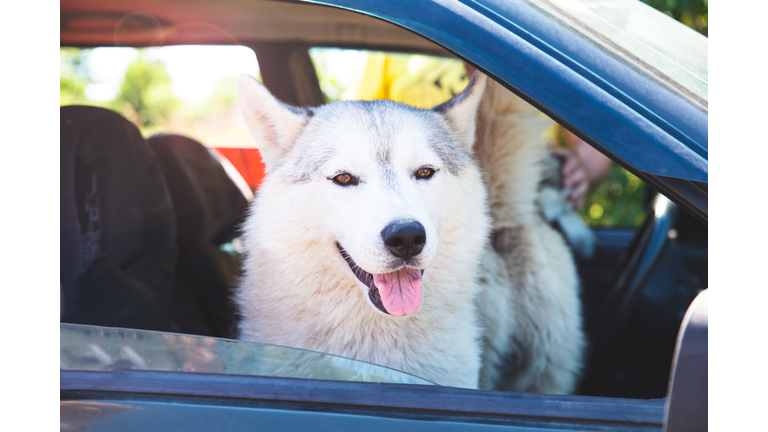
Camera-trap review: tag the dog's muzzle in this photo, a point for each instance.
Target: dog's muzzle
(397, 293)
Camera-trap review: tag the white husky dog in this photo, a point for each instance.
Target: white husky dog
(366, 236)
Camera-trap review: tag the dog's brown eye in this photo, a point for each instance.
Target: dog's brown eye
(424, 173)
(344, 179)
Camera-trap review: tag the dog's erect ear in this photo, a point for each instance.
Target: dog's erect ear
(274, 125)
(461, 110)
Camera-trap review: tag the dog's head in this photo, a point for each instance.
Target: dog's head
(380, 178)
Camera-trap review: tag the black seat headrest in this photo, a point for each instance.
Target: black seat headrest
(117, 224)
(209, 206)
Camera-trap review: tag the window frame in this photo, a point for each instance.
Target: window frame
(367, 399)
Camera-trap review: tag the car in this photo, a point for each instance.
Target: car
(602, 70)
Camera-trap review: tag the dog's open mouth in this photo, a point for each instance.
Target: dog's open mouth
(397, 293)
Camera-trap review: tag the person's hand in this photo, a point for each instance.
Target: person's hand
(583, 168)
(575, 176)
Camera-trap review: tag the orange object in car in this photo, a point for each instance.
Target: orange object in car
(248, 163)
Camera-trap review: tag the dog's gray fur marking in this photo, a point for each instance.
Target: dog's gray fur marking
(457, 100)
(307, 159)
(450, 152)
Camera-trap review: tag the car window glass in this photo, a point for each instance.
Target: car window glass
(111, 349)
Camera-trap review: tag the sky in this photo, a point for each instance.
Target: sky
(194, 70)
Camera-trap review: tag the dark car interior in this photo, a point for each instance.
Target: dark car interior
(147, 225)
(144, 228)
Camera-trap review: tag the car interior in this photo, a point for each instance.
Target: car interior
(150, 225)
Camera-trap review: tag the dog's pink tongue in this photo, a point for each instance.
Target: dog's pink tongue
(400, 291)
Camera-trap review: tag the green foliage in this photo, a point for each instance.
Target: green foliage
(73, 76)
(224, 93)
(693, 13)
(222, 98)
(618, 201)
(146, 98)
(331, 83)
(147, 91)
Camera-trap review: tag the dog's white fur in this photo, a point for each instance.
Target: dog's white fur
(297, 290)
(533, 340)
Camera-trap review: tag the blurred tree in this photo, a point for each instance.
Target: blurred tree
(222, 99)
(224, 93)
(617, 201)
(337, 83)
(693, 13)
(329, 81)
(73, 76)
(147, 91)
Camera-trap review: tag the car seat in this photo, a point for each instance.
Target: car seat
(117, 228)
(209, 208)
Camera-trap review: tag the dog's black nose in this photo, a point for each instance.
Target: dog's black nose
(404, 239)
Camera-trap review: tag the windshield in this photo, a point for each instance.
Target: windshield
(109, 349)
(641, 36)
